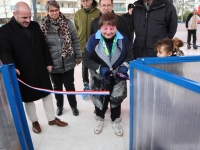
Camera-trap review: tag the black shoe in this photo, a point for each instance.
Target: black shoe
(75, 111)
(188, 46)
(194, 46)
(59, 111)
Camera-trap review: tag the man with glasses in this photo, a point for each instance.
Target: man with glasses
(106, 6)
(82, 21)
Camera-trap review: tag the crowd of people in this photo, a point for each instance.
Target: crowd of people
(46, 54)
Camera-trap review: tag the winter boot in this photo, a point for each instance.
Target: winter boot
(99, 125)
(194, 46)
(188, 46)
(117, 126)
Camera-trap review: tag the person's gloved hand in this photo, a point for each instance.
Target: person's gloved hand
(122, 74)
(105, 72)
(78, 61)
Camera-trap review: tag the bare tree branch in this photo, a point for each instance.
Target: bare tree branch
(5, 5)
(182, 6)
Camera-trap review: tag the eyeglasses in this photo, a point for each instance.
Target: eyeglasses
(108, 6)
(53, 10)
(106, 28)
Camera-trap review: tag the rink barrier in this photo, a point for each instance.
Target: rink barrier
(165, 103)
(14, 131)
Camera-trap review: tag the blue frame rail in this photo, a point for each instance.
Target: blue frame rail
(16, 106)
(142, 65)
(158, 60)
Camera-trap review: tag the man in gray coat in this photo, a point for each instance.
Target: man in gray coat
(22, 43)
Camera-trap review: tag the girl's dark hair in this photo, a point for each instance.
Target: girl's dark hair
(171, 45)
(52, 3)
(108, 18)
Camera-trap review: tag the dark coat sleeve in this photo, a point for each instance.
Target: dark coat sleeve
(188, 19)
(6, 55)
(129, 54)
(94, 26)
(171, 18)
(123, 27)
(88, 56)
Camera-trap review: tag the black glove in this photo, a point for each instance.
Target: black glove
(122, 74)
(105, 72)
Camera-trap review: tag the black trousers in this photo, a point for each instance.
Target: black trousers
(115, 112)
(84, 72)
(194, 36)
(66, 78)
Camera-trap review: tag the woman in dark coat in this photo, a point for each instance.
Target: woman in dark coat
(22, 43)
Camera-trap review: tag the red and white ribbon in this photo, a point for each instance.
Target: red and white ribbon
(88, 92)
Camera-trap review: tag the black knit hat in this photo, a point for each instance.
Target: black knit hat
(130, 6)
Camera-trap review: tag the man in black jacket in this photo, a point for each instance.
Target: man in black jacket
(129, 20)
(106, 6)
(152, 20)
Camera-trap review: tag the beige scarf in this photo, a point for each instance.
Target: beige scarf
(194, 22)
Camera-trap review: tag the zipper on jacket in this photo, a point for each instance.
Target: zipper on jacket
(145, 20)
(146, 26)
(60, 39)
(86, 29)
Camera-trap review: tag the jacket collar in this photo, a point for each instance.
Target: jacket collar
(100, 14)
(154, 3)
(98, 35)
(93, 8)
(17, 27)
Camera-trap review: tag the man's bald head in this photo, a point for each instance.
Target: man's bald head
(22, 14)
(20, 6)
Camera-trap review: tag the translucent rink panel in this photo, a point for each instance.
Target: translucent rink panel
(8, 136)
(189, 70)
(166, 116)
